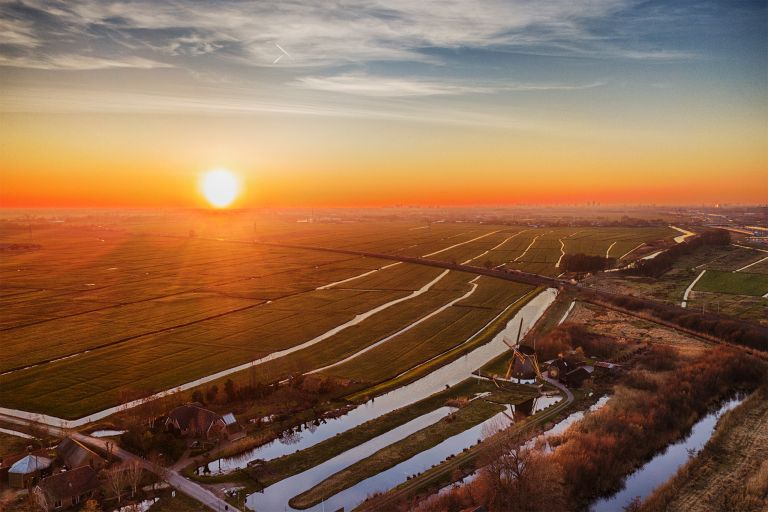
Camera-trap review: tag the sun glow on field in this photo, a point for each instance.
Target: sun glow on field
(220, 187)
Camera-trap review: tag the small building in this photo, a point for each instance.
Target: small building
(575, 378)
(558, 368)
(606, 367)
(28, 470)
(67, 489)
(192, 420)
(74, 454)
(234, 430)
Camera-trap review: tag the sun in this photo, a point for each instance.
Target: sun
(220, 187)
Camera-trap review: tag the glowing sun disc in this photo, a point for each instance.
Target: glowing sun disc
(220, 187)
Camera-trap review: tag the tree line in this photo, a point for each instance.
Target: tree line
(658, 265)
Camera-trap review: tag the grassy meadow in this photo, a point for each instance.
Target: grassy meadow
(115, 306)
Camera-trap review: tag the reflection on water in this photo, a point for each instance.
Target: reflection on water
(450, 374)
(277, 495)
(662, 467)
(107, 433)
(557, 429)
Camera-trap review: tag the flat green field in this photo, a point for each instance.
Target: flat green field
(134, 305)
(539, 249)
(736, 283)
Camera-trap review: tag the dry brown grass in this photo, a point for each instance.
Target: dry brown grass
(731, 473)
(625, 328)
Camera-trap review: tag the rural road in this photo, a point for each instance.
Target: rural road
(191, 489)
(188, 487)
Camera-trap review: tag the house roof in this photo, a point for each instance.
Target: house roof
(75, 454)
(30, 464)
(229, 419)
(581, 370)
(69, 483)
(193, 417)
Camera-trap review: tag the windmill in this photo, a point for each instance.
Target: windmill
(524, 365)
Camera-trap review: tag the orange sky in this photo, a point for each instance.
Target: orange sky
(153, 161)
(455, 103)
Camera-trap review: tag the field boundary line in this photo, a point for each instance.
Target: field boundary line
(631, 250)
(401, 331)
(752, 264)
(54, 421)
(690, 289)
(685, 234)
(529, 246)
(459, 244)
(470, 260)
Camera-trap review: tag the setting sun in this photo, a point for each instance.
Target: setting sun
(220, 187)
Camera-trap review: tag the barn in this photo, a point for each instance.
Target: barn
(74, 455)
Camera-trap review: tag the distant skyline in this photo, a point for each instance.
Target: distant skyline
(377, 103)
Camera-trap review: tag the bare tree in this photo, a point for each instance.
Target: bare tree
(160, 470)
(39, 500)
(518, 477)
(116, 480)
(133, 473)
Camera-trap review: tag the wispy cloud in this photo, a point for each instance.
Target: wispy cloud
(73, 62)
(317, 34)
(367, 51)
(377, 86)
(366, 85)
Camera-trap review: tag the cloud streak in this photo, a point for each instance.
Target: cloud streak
(377, 86)
(331, 33)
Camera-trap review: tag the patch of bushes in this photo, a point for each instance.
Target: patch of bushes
(568, 336)
(597, 453)
(585, 263)
(657, 266)
(727, 329)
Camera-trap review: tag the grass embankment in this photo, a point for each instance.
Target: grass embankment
(484, 336)
(730, 473)
(283, 467)
(474, 413)
(12, 445)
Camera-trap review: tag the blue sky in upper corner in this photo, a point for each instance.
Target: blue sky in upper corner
(200, 53)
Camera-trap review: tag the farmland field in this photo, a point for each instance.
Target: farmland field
(129, 306)
(719, 261)
(735, 283)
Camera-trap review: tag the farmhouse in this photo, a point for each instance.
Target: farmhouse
(192, 420)
(67, 489)
(28, 470)
(74, 455)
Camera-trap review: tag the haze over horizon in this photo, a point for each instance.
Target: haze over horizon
(126, 104)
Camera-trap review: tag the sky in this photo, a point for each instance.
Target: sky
(376, 103)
